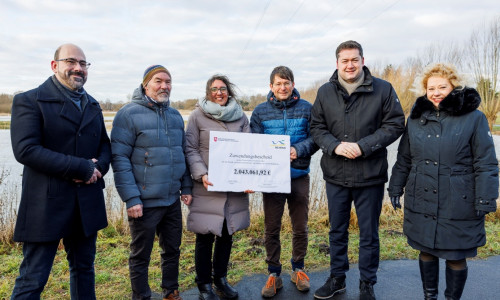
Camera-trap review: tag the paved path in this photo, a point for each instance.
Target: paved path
(397, 279)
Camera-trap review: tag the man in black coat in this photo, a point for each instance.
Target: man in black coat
(58, 134)
(354, 118)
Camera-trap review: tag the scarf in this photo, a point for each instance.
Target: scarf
(351, 87)
(232, 111)
(78, 97)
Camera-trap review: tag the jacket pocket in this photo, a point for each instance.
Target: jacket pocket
(375, 167)
(147, 165)
(410, 191)
(461, 198)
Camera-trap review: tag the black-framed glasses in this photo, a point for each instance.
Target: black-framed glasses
(72, 62)
(222, 89)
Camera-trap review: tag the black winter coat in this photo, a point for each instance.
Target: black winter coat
(371, 116)
(54, 141)
(447, 166)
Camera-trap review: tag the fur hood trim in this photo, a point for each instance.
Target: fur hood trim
(457, 103)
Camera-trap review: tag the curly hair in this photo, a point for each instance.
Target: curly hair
(230, 86)
(443, 70)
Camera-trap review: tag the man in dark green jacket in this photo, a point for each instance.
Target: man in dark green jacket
(354, 118)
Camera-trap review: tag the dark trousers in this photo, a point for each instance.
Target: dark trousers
(298, 209)
(203, 255)
(166, 222)
(368, 204)
(37, 263)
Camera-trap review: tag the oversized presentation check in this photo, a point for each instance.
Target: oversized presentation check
(245, 161)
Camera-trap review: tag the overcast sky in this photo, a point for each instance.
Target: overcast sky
(244, 39)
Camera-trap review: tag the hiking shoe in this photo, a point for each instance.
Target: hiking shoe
(173, 296)
(301, 280)
(273, 285)
(333, 286)
(366, 290)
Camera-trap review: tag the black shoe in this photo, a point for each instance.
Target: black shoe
(366, 290)
(206, 292)
(333, 286)
(224, 289)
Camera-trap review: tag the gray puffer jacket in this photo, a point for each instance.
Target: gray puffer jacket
(209, 209)
(147, 143)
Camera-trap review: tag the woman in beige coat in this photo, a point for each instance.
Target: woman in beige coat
(214, 215)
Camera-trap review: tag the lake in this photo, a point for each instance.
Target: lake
(11, 185)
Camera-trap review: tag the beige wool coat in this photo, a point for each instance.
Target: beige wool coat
(209, 209)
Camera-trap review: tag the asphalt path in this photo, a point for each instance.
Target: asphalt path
(397, 279)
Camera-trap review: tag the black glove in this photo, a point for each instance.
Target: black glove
(395, 202)
(481, 213)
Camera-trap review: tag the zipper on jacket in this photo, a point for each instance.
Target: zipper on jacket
(284, 118)
(164, 118)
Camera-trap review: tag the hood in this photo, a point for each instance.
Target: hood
(294, 98)
(458, 102)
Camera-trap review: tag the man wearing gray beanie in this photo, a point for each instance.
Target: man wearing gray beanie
(151, 176)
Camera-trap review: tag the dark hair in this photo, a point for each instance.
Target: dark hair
(230, 86)
(349, 45)
(282, 72)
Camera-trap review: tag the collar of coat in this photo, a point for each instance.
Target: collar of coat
(366, 86)
(294, 98)
(458, 102)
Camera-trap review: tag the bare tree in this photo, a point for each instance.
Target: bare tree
(442, 52)
(402, 78)
(483, 62)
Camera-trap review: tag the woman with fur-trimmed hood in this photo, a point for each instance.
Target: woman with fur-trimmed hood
(448, 169)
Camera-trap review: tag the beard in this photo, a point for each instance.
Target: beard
(74, 79)
(163, 95)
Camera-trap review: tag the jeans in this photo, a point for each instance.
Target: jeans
(298, 209)
(368, 204)
(166, 222)
(37, 263)
(203, 255)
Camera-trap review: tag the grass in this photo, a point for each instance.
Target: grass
(247, 257)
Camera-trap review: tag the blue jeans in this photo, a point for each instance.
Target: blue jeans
(368, 204)
(166, 222)
(37, 263)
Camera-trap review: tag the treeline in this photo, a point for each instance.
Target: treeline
(250, 102)
(5, 103)
(247, 102)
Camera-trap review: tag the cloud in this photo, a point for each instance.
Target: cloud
(194, 39)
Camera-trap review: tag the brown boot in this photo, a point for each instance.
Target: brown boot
(173, 296)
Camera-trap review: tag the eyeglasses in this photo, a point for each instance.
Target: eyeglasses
(286, 84)
(222, 89)
(72, 62)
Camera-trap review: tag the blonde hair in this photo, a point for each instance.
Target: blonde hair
(443, 70)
